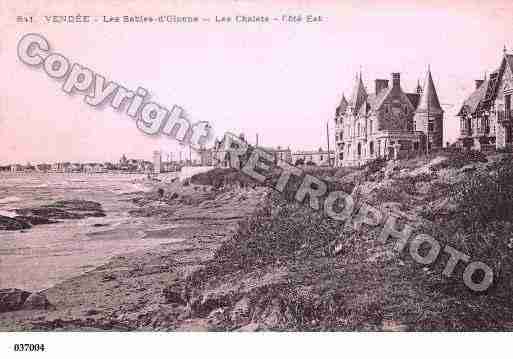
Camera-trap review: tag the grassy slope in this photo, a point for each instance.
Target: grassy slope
(290, 268)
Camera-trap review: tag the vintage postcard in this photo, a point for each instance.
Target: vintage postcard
(254, 166)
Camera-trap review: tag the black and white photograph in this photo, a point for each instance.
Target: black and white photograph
(256, 178)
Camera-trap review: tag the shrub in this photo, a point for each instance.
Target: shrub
(423, 177)
(220, 177)
(481, 227)
(486, 197)
(375, 165)
(506, 149)
(457, 159)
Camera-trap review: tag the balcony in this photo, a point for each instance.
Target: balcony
(505, 116)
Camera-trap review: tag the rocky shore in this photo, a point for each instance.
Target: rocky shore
(48, 214)
(131, 292)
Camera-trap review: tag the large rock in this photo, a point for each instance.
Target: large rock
(37, 301)
(12, 299)
(74, 209)
(12, 224)
(77, 205)
(53, 213)
(34, 220)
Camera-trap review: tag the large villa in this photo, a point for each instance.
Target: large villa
(486, 116)
(387, 122)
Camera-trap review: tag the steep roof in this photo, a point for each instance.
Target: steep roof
(414, 99)
(429, 98)
(483, 97)
(379, 98)
(471, 104)
(359, 94)
(494, 82)
(343, 105)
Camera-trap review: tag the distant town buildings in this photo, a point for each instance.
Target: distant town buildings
(387, 122)
(486, 116)
(124, 165)
(17, 168)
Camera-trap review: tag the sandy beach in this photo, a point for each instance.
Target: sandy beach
(110, 272)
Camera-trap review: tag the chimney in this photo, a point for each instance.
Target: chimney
(479, 83)
(380, 85)
(396, 79)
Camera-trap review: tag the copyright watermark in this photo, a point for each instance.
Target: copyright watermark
(150, 117)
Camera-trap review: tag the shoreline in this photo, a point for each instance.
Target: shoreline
(128, 287)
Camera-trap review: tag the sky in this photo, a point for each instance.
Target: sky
(281, 81)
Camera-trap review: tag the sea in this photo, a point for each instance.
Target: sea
(40, 257)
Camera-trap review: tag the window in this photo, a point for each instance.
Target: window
(431, 125)
(358, 129)
(371, 148)
(507, 104)
(370, 126)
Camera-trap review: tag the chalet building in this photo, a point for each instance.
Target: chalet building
(486, 116)
(387, 122)
(319, 158)
(221, 158)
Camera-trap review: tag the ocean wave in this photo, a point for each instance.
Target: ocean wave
(10, 214)
(133, 187)
(9, 199)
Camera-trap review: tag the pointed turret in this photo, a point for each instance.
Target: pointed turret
(359, 94)
(343, 105)
(429, 99)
